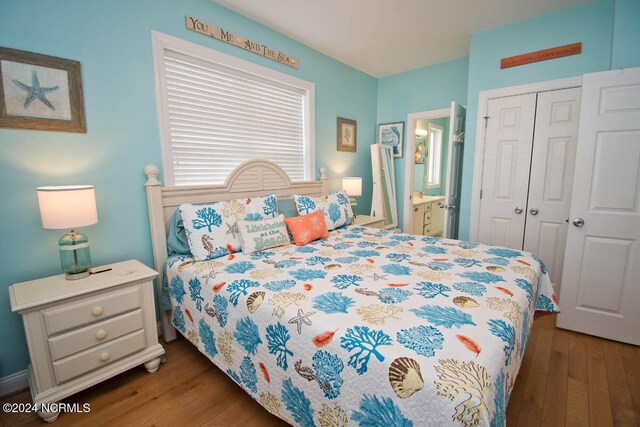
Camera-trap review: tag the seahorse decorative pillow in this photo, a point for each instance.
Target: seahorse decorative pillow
(261, 235)
(212, 228)
(335, 208)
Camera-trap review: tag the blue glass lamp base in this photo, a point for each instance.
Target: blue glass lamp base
(75, 257)
(77, 276)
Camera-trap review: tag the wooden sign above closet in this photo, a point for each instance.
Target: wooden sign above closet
(227, 36)
(541, 55)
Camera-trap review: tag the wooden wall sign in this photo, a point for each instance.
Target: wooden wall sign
(227, 36)
(541, 55)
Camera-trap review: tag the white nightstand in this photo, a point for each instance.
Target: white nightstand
(82, 332)
(369, 221)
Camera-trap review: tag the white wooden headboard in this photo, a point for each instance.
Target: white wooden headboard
(250, 179)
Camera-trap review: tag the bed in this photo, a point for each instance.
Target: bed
(367, 327)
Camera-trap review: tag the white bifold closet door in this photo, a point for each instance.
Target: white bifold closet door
(601, 281)
(551, 177)
(528, 172)
(505, 175)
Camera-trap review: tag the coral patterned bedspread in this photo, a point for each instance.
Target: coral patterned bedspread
(367, 327)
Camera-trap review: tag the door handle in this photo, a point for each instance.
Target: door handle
(452, 207)
(578, 222)
(518, 210)
(533, 211)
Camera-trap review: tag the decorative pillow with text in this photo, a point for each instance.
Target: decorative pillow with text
(264, 234)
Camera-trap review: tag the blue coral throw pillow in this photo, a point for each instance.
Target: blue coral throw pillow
(212, 228)
(335, 208)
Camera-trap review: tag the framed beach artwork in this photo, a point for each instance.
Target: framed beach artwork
(392, 134)
(347, 135)
(40, 92)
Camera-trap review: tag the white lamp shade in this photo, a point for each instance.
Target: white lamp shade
(352, 185)
(67, 207)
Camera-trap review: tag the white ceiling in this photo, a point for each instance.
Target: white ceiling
(384, 37)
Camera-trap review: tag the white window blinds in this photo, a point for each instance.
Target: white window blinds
(435, 156)
(217, 116)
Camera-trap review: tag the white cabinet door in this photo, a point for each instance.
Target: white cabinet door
(437, 218)
(552, 167)
(601, 279)
(505, 177)
(451, 200)
(417, 219)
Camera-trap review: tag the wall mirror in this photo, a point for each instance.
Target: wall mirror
(383, 202)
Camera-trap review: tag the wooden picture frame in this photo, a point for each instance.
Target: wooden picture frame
(392, 134)
(40, 92)
(347, 135)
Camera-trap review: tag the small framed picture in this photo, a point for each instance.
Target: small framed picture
(392, 134)
(347, 135)
(40, 92)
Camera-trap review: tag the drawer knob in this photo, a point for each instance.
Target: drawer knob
(101, 334)
(104, 356)
(97, 310)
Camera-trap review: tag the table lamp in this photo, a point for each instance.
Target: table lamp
(352, 185)
(70, 207)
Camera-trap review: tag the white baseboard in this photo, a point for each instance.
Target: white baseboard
(14, 382)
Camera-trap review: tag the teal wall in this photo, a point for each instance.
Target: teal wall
(112, 40)
(626, 34)
(424, 89)
(590, 24)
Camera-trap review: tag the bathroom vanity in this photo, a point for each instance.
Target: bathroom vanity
(428, 215)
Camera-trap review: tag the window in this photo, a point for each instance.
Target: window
(435, 156)
(217, 111)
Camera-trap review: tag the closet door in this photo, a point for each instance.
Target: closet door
(601, 279)
(552, 167)
(505, 176)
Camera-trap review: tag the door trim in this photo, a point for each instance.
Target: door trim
(410, 147)
(478, 157)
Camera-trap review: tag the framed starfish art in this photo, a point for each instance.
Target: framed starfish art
(40, 92)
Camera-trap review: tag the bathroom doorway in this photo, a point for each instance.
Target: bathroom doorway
(433, 171)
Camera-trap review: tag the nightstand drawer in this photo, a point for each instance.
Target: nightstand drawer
(91, 309)
(97, 357)
(95, 334)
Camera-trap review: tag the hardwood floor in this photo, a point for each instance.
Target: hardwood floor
(566, 378)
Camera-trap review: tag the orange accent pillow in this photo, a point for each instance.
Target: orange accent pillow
(307, 228)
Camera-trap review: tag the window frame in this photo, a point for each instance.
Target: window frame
(432, 163)
(162, 42)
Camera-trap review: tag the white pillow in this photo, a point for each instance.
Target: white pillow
(212, 228)
(335, 208)
(261, 235)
